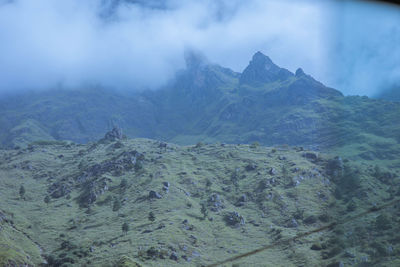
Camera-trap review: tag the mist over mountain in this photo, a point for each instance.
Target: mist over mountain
(133, 45)
(209, 103)
(141, 133)
(116, 201)
(390, 94)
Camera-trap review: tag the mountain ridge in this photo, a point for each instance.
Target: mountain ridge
(209, 103)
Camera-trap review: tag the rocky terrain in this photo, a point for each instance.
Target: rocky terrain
(142, 202)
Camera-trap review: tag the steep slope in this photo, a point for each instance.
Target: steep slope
(193, 205)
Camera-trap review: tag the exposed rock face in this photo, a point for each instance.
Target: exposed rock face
(59, 189)
(114, 134)
(91, 191)
(126, 161)
(262, 70)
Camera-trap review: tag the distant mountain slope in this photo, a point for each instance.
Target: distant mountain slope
(392, 94)
(209, 103)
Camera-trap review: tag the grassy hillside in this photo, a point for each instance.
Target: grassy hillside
(141, 202)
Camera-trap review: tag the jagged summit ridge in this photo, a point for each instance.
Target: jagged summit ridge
(262, 70)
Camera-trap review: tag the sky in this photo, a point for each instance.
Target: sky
(132, 45)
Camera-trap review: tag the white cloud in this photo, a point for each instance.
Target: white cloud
(45, 42)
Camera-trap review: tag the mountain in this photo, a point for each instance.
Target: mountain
(222, 163)
(208, 103)
(142, 202)
(392, 94)
(262, 70)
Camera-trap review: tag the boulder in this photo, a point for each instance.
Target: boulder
(154, 195)
(114, 134)
(173, 256)
(234, 219)
(310, 156)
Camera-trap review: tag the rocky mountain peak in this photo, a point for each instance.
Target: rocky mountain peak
(262, 61)
(299, 72)
(262, 69)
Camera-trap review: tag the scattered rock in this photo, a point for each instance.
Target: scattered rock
(316, 246)
(310, 156)
(295, 181)
(59, 189)
(336, 264)
(293, 223)
(193, 239)
(215, 202)
(2, 217)
(166, 186)
(187, 226)
(163, 145)
(174, 256)
(186, 258)
(126, 161)
(310, 219)
(125, 261)
(154, 194)
(241, 201)
(117, 145)
(251, 167)
(234, 219)
(91, 191)
(349, 254)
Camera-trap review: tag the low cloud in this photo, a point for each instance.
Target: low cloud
(140, 44)
(364, 47)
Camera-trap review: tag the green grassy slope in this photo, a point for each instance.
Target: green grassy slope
(251, 196)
